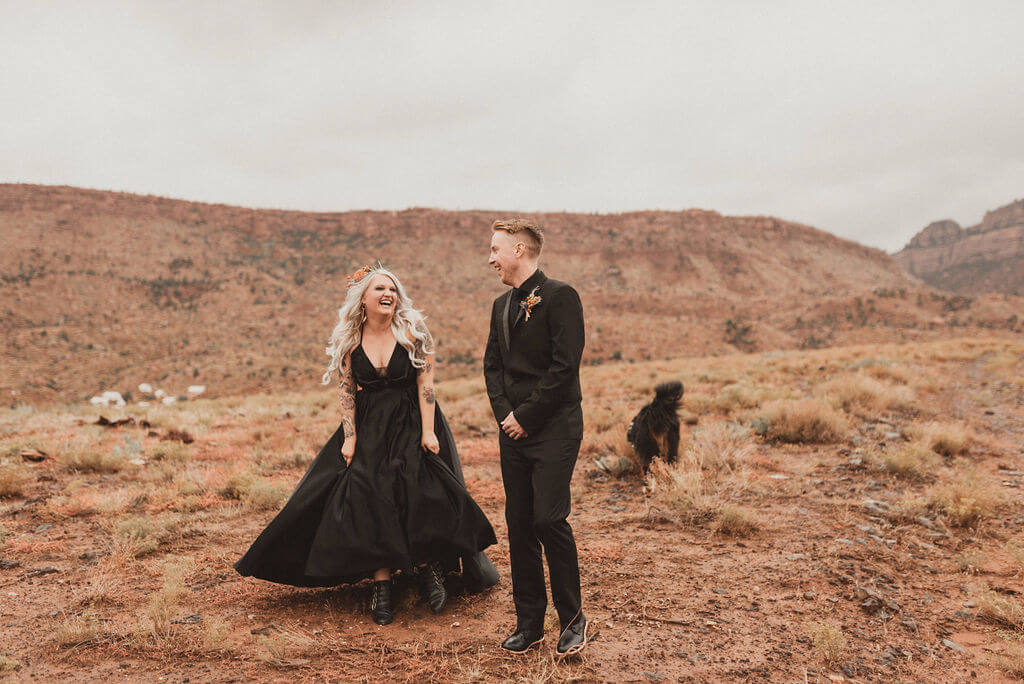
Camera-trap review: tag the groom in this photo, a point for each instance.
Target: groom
(532, 368)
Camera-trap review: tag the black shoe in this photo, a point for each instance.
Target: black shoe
(432, 587)
(522, 641)
(574, 637)
(380, 604)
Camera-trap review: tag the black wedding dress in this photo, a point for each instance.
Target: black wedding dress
(397, 505)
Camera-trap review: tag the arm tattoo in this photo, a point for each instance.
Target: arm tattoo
(429, 366)
(428, 395)
(348, 404)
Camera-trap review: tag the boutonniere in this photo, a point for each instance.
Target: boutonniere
(532, 300)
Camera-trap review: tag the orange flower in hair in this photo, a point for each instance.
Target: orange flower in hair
(358, 275)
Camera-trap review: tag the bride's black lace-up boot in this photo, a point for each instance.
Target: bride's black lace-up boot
(380, 604)
(432, 587)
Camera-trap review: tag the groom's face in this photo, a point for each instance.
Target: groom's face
(505, 253)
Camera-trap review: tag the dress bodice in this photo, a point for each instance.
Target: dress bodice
(399, 372)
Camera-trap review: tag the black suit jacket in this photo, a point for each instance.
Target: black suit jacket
(532, 367)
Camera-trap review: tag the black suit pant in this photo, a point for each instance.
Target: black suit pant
(537, 502)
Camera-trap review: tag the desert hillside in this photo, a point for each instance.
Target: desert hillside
(988, 257)
(104, 290)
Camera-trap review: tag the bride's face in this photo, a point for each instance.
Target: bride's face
(381, 295)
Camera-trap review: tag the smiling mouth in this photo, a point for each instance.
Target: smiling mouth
(386, 302)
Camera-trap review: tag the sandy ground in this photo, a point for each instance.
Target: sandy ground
(667, 600)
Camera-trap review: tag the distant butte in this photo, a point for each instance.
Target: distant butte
(988, 257)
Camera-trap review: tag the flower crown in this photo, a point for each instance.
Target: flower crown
(361, 273)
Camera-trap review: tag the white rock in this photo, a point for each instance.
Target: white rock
(159, 394)
(169, 400)
(113, 398)
(196, 389)
(143, 403)
(146, 388)
(99, 401)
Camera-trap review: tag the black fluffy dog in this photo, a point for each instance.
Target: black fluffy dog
(655, 429)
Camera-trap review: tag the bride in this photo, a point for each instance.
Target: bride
(386, 492)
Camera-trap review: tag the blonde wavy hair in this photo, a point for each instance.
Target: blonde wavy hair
(407, 325)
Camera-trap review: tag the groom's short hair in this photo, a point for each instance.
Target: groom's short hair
(528, 232)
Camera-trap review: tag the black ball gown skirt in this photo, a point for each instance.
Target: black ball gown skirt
(397, 505)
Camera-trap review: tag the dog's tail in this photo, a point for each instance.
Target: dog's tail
(669, 394)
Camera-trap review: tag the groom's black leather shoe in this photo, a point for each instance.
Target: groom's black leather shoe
(432, 587)
(522, 641)
(380, 604)
(574, 637)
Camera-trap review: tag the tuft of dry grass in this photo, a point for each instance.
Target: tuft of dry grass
(1014, 547)
(803, 421)
(1012, 660)
(713, 468)
(285, 648)
(13, 479)
(738, 396)
(78, 630)
(252, 490)
(999, 610)
(163, 605)
(8, 664)
(828, 640)
(737, 521)
(138, 536)
(970, 561)
(910, 460)
(215, 635)
(945, 439)
(94, 460)
(864, 394)
(172, 452)
(966, 499)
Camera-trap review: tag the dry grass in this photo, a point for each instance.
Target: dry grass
(737, 521)
(828, 640)
(970, 561)
(861, 393)
(1002, 611)
(78, 630)
(138, 536)
(945, 439)
(713, 468)
(738, 396)
(1014, 547)
(172, 452)
(8, 664)
(215, 635)
(286, 648)
(911, 460)
(94, 460)
(1012, 660)
(255, 492)
(966, 499)
(13, 479)
(803, 421)
(163, 605)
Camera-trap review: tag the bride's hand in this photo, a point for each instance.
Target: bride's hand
(348, 449)
(429, 442)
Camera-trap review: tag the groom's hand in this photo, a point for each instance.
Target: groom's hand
(512, 428)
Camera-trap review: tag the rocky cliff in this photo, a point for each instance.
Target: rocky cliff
(988, 257)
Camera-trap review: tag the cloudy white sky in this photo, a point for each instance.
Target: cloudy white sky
(867, 119)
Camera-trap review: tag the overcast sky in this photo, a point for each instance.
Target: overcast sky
(866, 119)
